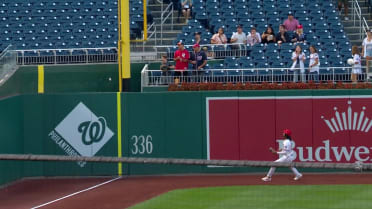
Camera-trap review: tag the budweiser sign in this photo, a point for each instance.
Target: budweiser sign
(325, 129)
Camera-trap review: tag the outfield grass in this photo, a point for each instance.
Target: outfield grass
(265, 197)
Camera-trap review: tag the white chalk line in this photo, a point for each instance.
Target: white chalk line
(76, 193)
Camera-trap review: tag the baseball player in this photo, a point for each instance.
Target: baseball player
(288, 155)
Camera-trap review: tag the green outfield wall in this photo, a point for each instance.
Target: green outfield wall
(70, 78)
(75, 79)
(11, 137)
(167, 125)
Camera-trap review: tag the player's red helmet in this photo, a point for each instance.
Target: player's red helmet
(287, 132)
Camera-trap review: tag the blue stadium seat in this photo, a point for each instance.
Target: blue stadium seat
(244, 60)
(230, 61)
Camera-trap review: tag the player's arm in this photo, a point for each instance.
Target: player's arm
(272, 150)
(281, 151)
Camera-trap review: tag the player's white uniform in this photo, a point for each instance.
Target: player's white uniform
(288, 155)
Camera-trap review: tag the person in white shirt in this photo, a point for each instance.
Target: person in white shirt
(239, 36)
(253, 37)
(287, 155)
(367, 49)
(298, 58)
(314, 64)
(357, 67)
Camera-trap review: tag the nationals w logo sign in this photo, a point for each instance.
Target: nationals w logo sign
(81, 132)
(92, 131)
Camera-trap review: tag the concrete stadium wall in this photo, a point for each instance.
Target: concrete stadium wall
(206, 125)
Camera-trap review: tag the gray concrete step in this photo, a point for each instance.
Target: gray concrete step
(352, 29)
(350, 23)
(181, 19)
(366, 15)
(356, 42)
(353, 36)
(164, 41)
(158, 13)
(157, 7)
(168, 34)
(176, 26)
(364, 9)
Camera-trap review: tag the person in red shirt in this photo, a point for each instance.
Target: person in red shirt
(181, 57)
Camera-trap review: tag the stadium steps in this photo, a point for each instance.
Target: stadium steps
(353, 31)
(169, 35)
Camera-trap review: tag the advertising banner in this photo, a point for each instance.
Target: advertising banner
(324, 129)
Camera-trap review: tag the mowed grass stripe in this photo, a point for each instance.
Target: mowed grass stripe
(265, 197)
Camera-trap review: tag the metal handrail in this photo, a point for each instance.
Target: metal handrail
(144, 77)
(153, 33)
(365, 26)
(357, 13)
(167, 12)
(5, 51)
(8, 64)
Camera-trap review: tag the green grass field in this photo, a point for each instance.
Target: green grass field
(265, 197)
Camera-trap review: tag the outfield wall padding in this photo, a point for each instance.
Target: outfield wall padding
(238, 125)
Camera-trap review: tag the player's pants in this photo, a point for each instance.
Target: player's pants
(284, 158)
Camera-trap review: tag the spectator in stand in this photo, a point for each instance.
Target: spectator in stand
(298, 58)
(198, 59)
(357, 66)
(197, 37)
(268, 36)
(314, 64)
(239, 36)
(253, 37)
(299, 36)
(181, 57)
(186, 8)
(367, 49)
(165, 68)
(219, 37)
(344, 3)
(282, 36)
(291, 23)
(208, 53)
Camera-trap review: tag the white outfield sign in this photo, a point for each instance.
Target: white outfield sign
(81, 132)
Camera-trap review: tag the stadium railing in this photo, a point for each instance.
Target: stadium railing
(140, 52)
(151, 78)
(8, 64)
(66, 56)
(213, 51)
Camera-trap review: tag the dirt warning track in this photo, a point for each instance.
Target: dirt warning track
(109, 193)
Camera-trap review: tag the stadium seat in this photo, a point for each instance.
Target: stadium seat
(48, 17)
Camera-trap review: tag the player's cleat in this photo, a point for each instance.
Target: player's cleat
(297, 177)
(266, 178)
